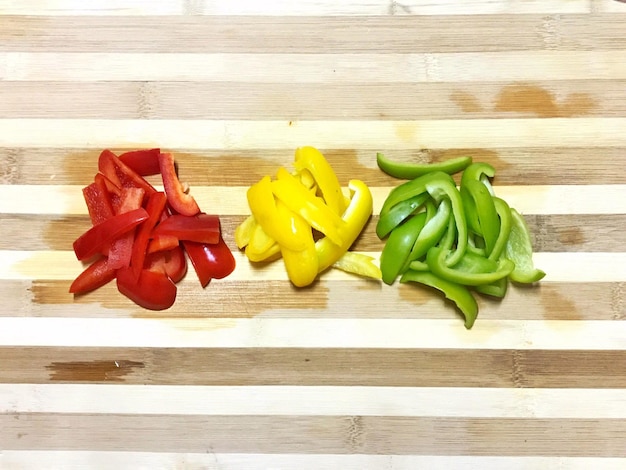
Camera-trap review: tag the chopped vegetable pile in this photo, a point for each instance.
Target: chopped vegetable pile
(291, 210)
(454, 240)
(139, 236)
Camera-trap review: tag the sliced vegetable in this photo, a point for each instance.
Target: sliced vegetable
(182, 202)
(464, 239)
(201, 228)
(519, 250)
(210, 261)
(152, 289)
(291, 211)
(97, 237)
(460, 295)
(414, 170)
(137, 238)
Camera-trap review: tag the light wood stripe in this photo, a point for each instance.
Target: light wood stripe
(31, 460)
(284, 7)
(560, 267)
(316, 434)
(314, 68)
(222, 134)
(311, 401)
(311, 333)
(313, 101)
(337, 34)
(231, 200)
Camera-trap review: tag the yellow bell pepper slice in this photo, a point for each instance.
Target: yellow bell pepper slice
(299, 200)
(311, 159)
(301, 265)
(261, 246)
(243, 232)
(263, 207)
(358, 263)
(355, 217)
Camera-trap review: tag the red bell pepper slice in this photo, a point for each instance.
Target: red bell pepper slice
(96, 275)
(121, 174)
(122, 247)
(162, 243)
(181, 202)
(210, 261)
(171, 262)
(152, 289)
(99, 236)
(154, 208)
(202, 228)
(98, 203)
(144, 162)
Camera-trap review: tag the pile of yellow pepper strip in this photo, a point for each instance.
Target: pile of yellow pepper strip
(288, 210)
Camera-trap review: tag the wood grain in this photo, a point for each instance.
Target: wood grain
(252, 373)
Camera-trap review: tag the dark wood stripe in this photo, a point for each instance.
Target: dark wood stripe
(314, 366)
(514, 166)
(316, 434)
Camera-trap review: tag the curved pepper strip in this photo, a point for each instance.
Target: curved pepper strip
(355, 217)
(395, 255)
(263, 207)
(399, 213)
(438, 185)
(504, 213)
(414, 170)
(460, 295)
(311, 159)
(436, 259)
(299, 200)
(480, 211)
(519, 251)
(301, 265)
(432, 232)
(495, 289)
(261, 246)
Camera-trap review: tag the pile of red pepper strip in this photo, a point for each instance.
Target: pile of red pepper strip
(139, 236)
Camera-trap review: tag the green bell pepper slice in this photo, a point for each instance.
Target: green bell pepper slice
(413, 170)
(398, 213)
(394, 258)
(436, 259)
(433, 230)
(504, 214)
(479, 206)
(460, 295)
(519, 250)
(496, 289)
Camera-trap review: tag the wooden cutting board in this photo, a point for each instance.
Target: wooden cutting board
(251, 373)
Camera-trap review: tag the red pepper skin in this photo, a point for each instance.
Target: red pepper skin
(122, 247)
(144, 162)
(152, 289)
(154, 209)
(171, 262)
(162, 243)
(97, 237)
(210, 261)
(121, 174)
(202, 228)
(94, 276)
(98, 203)
(181, 202)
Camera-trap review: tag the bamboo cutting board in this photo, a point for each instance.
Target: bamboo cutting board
(348, 374)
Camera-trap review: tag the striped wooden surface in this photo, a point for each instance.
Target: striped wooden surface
(348, 374)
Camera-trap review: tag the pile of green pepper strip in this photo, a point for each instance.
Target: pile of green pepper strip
(455, 240)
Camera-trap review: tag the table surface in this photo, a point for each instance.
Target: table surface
(251, 373)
